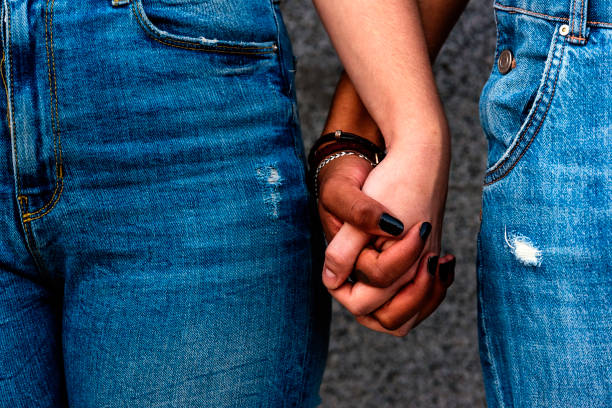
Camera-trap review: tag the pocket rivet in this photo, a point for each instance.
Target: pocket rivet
(564, 30)
(505, 62)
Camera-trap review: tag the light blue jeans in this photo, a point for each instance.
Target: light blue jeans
(545, 251)
(155, 228)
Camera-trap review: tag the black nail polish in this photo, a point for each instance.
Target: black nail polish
(425, 230)
(390, 224)
(432, 265)
(446, 270)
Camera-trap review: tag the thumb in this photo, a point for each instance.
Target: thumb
(343, 198)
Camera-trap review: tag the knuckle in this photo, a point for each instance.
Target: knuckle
(357, 309)
(335, 259)
(361, 212)
(379, 278)
(390, 322)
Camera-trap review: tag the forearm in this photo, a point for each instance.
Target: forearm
(388, 60)
(438, 18)
(348, 114)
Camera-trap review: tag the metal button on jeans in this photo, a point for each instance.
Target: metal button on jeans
(505, 62)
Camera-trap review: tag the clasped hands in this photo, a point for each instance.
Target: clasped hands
(389, 282)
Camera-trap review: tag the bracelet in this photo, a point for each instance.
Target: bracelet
(338, 144)
(339, 141)
(329, 159)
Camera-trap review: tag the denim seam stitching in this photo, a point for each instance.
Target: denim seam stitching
(579, 38)
(196, 43)
(29, 237)
(22, 200)
(224, 49)
(572, 17)
(11, 97)
(36, 256)
(510, 9)
(288, 84)
(57, 146)
(286, 79)
(526, 148)
(535, 110)
(581, 16)
(281, 51)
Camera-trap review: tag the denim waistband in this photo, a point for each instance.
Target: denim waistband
(578, 15)
(578, 12)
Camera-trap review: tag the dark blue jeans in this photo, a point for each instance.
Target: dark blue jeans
(155, 229)
(545, 260)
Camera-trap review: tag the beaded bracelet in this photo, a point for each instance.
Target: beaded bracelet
(329, 159)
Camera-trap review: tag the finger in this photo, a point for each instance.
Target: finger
(341, 254)
(361, 299)
(343, 198)
(331, 224)
(373, 324)
(381, 269)
(447, 274)
(410, 299)
(445, 278)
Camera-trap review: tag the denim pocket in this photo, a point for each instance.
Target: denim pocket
(514, 105)
(206, 26)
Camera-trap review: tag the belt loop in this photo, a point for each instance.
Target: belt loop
(578, 22)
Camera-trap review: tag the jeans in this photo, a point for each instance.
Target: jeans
(544, 253)
(155, 226)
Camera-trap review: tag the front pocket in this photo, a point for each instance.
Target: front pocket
(514, 105)
(181, 25)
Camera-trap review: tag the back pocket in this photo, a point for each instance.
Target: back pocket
(231, 27)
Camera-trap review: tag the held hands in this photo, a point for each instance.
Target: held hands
(398, 279)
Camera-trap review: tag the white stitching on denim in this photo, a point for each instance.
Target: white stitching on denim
(510, 9)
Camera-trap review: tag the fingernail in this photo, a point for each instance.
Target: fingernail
(432, 264)
(446, 269)
(329, 275)
(425, 230)
(390, 224)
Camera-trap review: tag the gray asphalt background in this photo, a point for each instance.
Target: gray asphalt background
(436, 365)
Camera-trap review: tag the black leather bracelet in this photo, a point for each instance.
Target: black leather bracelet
(340, 144)
(344, 140)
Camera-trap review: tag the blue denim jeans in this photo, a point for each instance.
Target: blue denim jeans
(544, 257)
(155, 226)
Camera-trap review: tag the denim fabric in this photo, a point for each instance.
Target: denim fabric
(544, 259)
(155, 233)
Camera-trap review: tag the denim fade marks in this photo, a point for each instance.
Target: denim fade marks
(175, 268)
(544, 273)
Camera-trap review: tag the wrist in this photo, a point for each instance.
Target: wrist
(338, 144)
(412, 182)
(404, 124)
(435, 136)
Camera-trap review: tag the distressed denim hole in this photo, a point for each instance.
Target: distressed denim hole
(271, 180)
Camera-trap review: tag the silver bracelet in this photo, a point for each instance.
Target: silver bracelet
(331, 158)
